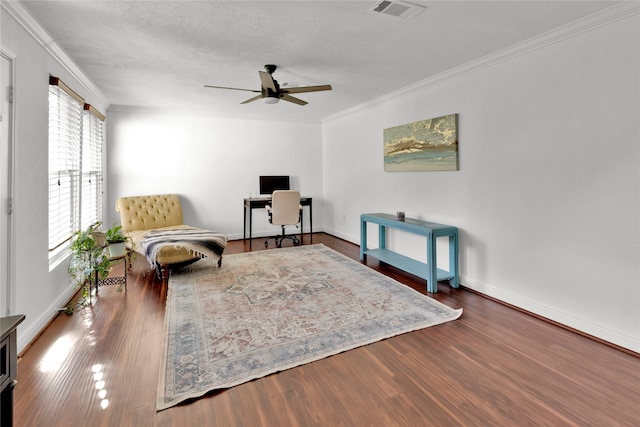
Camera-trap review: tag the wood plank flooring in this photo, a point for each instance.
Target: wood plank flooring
(493, 366)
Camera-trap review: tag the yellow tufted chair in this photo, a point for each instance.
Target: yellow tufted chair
(140, 214)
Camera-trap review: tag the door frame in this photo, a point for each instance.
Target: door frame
(7, 288)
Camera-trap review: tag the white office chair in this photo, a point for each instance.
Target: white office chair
(284, 210)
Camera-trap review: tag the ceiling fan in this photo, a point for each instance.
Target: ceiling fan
(271, 92)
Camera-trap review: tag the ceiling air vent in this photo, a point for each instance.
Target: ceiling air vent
(399, 9)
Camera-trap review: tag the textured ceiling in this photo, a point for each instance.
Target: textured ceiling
(160, 53)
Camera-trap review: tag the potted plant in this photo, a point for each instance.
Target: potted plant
(89, 262)
(116, 241)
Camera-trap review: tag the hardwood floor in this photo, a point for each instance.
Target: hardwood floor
(493, 366)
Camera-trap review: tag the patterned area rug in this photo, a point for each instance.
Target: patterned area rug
(272, 310)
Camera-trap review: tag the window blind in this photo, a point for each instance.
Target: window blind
(91, 198)
(65, 139)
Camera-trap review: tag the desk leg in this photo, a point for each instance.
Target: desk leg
(250, 225)
(363, 239)
(301, 224)
(432, 267)
(454, 282)
(311, 221)
(244, 223)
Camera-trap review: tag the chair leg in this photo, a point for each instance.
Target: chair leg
(286, 236)
(280, 238)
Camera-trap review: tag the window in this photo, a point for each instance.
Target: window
(65, 139)
(75, 164)
(91, 184)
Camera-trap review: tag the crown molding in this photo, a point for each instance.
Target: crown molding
(614, 13)
(22, 16)
(604, 17)
(204, 112)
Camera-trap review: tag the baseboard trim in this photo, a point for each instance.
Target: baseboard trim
(627, 344)
(27, 337)
(579, 326)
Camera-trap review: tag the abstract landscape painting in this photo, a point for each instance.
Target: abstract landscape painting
(427, 145)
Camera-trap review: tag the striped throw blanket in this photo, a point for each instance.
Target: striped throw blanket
(197, 241)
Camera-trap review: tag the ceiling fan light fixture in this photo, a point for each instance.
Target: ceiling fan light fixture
(270, 91)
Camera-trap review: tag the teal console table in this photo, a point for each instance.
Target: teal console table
(426, 270)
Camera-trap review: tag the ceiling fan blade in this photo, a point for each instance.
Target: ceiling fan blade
(303, 89)
(290, 98)
(231, 88)
(255, 98)
(267, 81)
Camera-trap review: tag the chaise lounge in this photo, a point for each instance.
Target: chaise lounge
(155, 226)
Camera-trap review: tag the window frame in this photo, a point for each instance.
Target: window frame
(75, 175)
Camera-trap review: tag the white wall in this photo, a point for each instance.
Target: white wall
(35, 291)
(547, 195)
(212, 163)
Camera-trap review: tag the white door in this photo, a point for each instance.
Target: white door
(6, 94)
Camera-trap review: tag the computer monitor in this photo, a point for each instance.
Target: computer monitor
(270, 183)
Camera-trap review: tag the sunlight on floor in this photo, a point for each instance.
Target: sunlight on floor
(55, 358)
(98, 377)
(87, 321)
(57, 354)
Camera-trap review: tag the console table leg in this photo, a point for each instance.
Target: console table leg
(382, 237)
(363, 239)
(432, 267)
(454, 282)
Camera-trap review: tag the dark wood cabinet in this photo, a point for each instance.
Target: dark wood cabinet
(8, 366)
